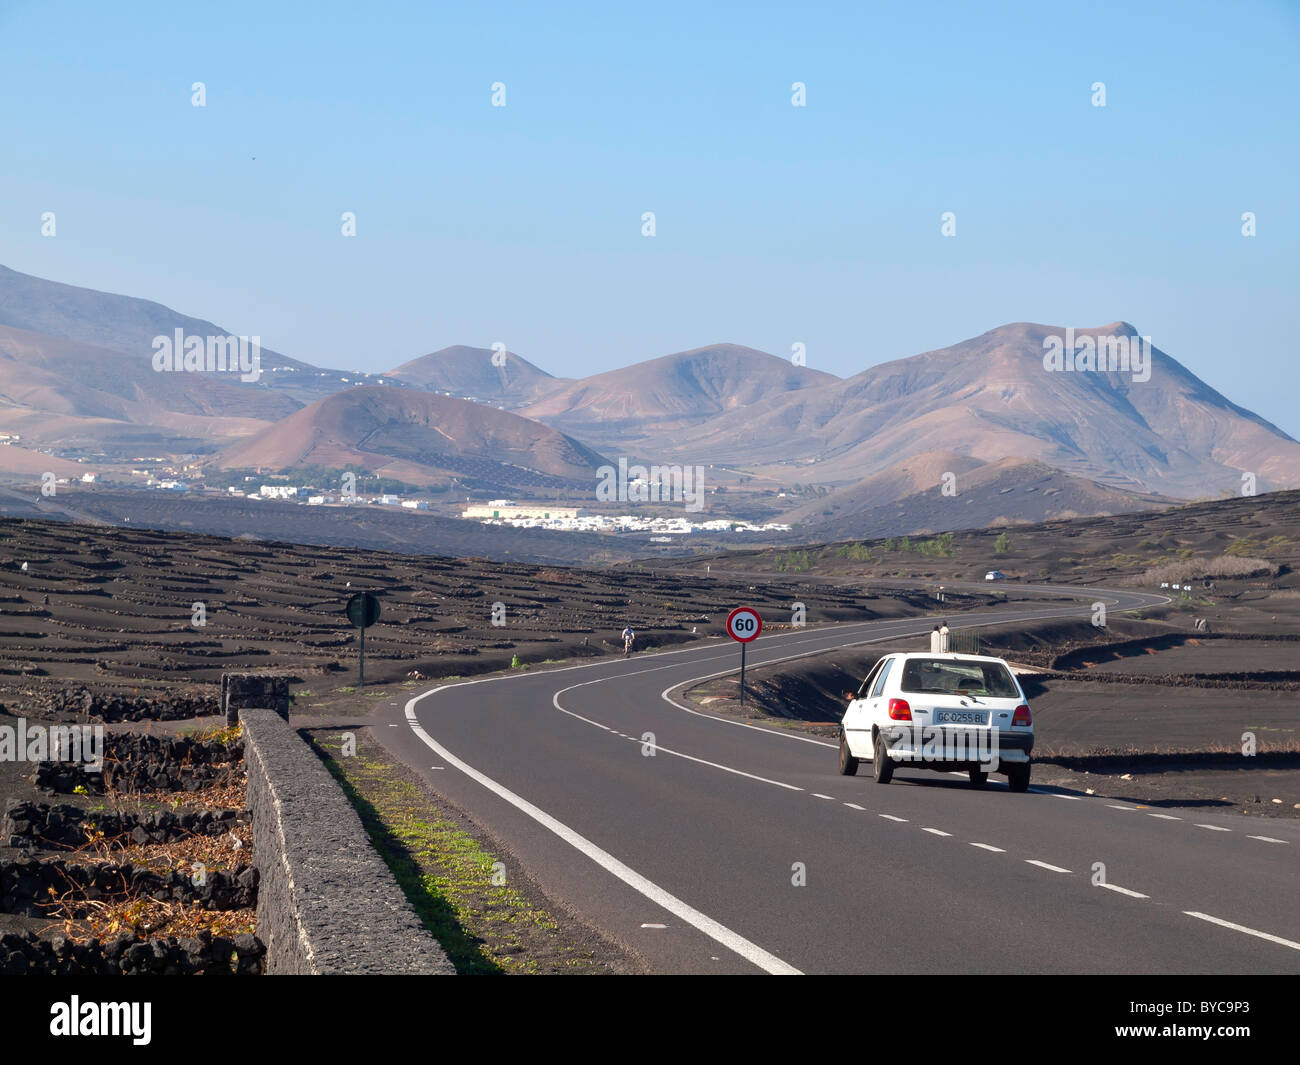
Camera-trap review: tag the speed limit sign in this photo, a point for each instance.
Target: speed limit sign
(744, 624)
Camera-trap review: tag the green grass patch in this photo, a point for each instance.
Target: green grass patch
(485, 927)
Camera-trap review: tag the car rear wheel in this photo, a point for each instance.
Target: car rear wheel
(1018, 777)
(882, 767)
(848, 764)
(978, 777)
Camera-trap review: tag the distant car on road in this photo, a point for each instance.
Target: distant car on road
(948, 712)
(995, 575)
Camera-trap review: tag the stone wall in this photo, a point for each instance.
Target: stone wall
(326, 902)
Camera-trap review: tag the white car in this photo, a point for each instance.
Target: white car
(995, 575)
(947, 712)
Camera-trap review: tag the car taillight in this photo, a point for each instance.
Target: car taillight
(1022, 716)
(899, 710)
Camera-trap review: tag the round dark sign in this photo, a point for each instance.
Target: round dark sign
(363, 610)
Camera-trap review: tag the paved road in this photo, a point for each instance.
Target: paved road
(690, 854)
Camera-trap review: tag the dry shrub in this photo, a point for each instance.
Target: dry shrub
(1196, 569)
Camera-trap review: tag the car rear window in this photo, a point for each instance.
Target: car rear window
(942, 676)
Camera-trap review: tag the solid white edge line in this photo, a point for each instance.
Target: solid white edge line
(1242, 928)
(751, 952)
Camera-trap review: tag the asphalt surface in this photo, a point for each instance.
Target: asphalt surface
(711, 845)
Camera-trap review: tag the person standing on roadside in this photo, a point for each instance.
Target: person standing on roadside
(935, 641)
(943, 638)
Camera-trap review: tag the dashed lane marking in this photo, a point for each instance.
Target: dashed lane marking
(555, 699)
(1124, 891)
(1242, 928)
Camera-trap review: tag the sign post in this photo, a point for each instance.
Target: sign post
(363, 611)
(743, 625)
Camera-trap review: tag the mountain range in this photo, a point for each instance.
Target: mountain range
(982, 427)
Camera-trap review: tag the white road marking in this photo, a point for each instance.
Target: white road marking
(1075, 798)
(854, 806)
(1114, 807)
(1242, 928)
(719, 765)
(555, 699)
(819, 795)
(989, 847)
(654, 926)
(1215, 828)
(1124, 891)
(1165, 817)
(936, 832)
(749, 951)
(1266, 839)
(1044, 865)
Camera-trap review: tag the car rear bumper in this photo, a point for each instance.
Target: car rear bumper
(949, 745)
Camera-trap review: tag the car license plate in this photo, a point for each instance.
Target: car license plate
(961, 717)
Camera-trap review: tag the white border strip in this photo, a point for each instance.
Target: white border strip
(751, 952)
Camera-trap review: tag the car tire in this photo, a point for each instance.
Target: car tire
(882, 766)
(978, 777)
(848, 764)
(1018, 777)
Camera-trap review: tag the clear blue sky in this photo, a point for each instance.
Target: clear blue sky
(775, 224)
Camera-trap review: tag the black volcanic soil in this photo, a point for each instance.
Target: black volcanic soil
(118, 620)
(114, 610)
(1114, 549)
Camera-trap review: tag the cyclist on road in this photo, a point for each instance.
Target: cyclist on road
(629, 638)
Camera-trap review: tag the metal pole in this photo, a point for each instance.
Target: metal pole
(742, 675)
(363, 657)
